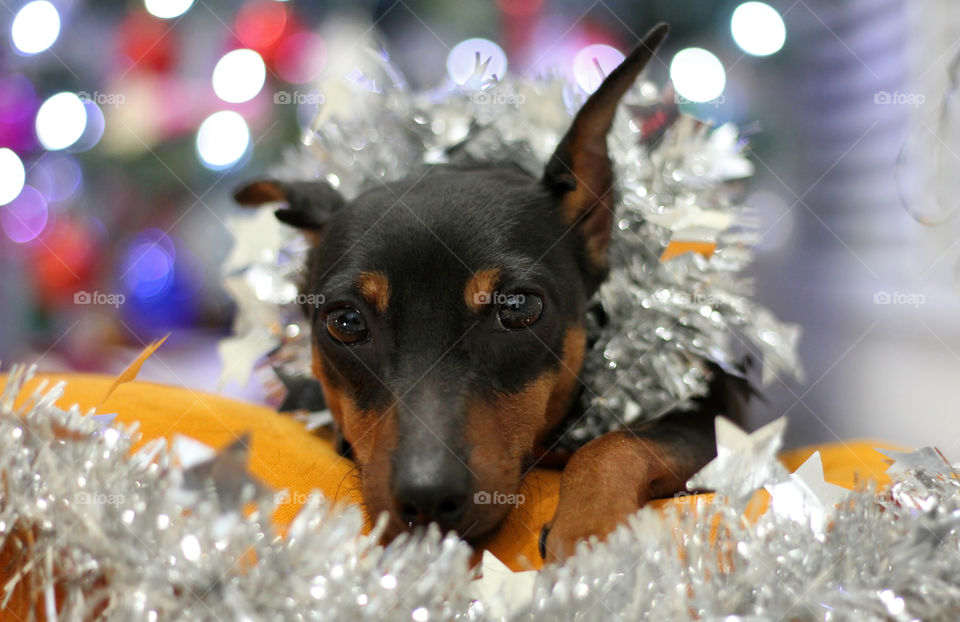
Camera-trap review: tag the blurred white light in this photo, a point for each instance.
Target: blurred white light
(593, 63)
(35, 27)
(758, 29)
(222, 139)
(61, 121)
(93, 132)
(239, 76)
(12, 175)
(697, 75)
(466, 57)
(167, 9)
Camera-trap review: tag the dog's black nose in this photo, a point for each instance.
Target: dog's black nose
(433, 490)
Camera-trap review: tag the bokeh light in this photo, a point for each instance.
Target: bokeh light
(223, 138)
(61, 121)
(463, 58)
(697, 75)
(301, 57)
(12, 175)
(93, 131)
(148, 265)
(593, 63)
(35, 27)
(239, 76)
(167, 9)
(24, 218)
(65, 260)
(519, 8)
(758, 29)
(260, 24)
(57, 176)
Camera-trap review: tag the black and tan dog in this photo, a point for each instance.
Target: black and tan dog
(452, 334)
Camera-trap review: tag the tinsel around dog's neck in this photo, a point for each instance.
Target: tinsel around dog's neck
(674, 306)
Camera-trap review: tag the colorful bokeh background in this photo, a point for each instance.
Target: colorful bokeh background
(124, 125)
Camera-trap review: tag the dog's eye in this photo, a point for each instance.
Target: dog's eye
(519, 311)
(346, 325)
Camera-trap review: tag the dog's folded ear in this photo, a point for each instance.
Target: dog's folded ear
(580, 173)
(310, 204)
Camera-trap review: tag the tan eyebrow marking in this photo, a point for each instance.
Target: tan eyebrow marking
(480, 288)
(375, 289)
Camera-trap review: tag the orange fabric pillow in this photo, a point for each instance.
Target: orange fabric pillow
(286, 456)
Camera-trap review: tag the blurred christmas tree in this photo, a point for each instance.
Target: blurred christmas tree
(124, 126)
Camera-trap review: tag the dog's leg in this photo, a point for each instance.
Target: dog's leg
(615, 475)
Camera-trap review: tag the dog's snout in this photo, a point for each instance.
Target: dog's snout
(431, 490)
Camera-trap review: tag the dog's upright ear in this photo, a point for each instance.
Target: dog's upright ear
(310, 204)
(580, 173)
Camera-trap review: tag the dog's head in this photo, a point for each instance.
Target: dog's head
(450, 337)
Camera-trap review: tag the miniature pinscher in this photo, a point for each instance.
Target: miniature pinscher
(452, 335)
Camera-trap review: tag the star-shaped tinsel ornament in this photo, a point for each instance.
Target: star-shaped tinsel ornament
(913, 473)
(241, 353)
(501, 591)
(744, 462)
(256, 236)
(805, 496)
(226, 474)
(924, 459)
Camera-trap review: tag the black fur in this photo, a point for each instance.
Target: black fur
(430, 355)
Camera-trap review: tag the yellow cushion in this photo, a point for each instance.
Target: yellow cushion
(286, 456)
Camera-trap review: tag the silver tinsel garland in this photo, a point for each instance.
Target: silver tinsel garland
(667, 322)
(161, 535)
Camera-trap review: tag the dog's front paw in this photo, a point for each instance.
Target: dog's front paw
(603, 483)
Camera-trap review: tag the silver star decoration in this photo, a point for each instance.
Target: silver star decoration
(239, 355)
(805, 497)
(226, 476)
(255, 236)
(502, 591)
(744, 463)
(924, 459)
